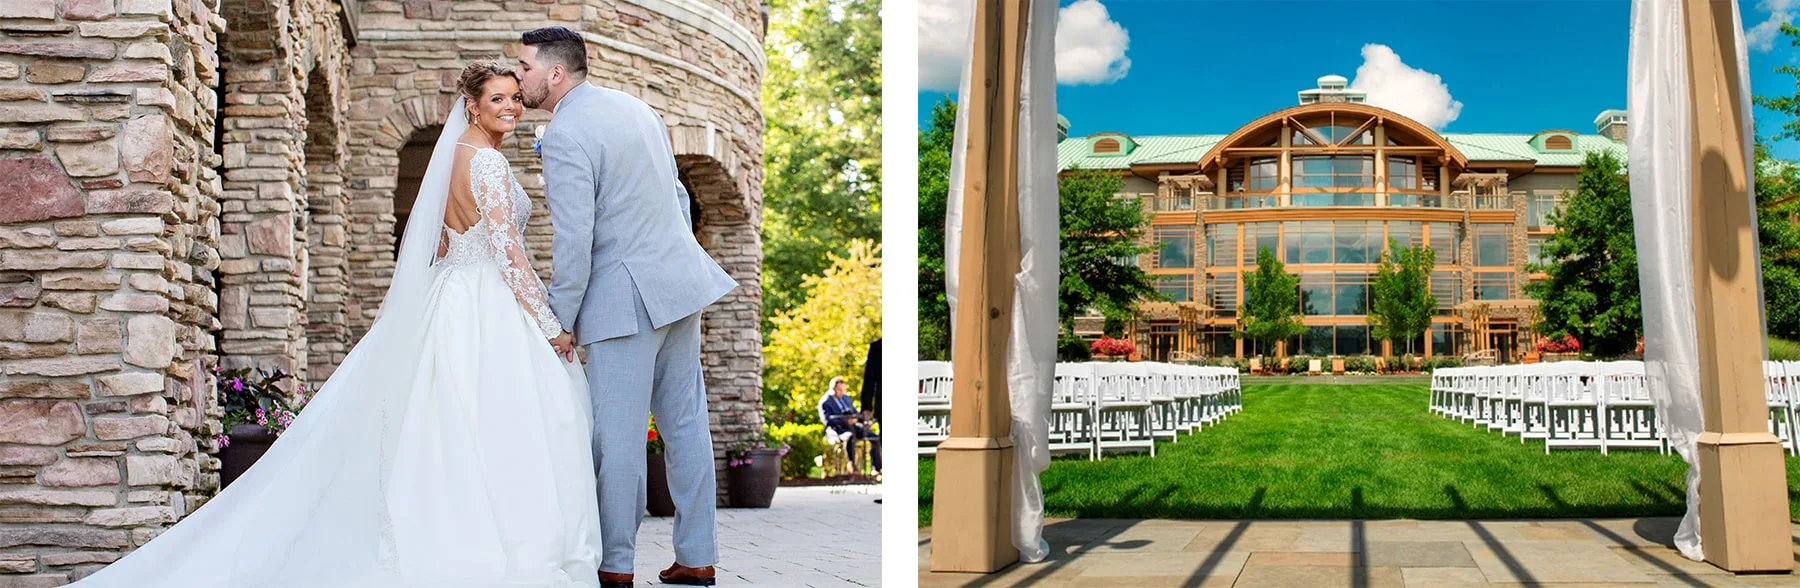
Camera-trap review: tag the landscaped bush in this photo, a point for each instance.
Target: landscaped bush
(1361, 363)
(1072, 348)
(804, 442)
(1298, 364)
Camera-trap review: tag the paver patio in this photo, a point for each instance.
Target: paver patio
(1361, 554)
(818, 536)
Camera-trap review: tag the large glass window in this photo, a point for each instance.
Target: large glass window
(1446, 287)
(1491, 245)
(1263, 173)
(1403, 173)
(1259, 236)
(1493, 285)
(1340, 133)
(1315, 294)
(1334, 171)
(1352, 339)
(1222, 244)
(1357, 241)
(1352, 292)
(1446, 240)
(1442, 340)
(1406, 233)
(1317, 341)
(1176, 288)
(1534, 249)
(1538, 209)
(1175, 246)
(1221, 294)
(1308, 242)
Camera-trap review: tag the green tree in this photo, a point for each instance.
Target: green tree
(1591, 291)
(824, 337)
(1403, 305)
(1789, 105)
(822, 147)
(1099, 229)
(1271, 308)
(935, 143)
(1778, 204)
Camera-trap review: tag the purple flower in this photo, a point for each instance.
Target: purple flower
(237, 384)
(222, 440)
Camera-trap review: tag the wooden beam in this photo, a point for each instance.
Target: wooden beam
(1743, 479)
(973, 511)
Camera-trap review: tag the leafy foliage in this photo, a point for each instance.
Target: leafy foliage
(826, 336)
(1778, 205)
(1591, 291)
(1271, 308)
(1789, 105)
(1403, 305)
(255, 396)
(1098, 230)
(822, 148)
(935, 143)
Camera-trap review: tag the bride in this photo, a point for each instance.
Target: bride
(451, 448)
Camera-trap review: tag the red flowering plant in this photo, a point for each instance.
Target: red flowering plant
(653, 442)
(253, 396)
(1564, 344)
(1110, 346)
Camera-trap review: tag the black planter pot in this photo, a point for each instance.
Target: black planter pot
(248, 443)
(656, 481)
(753, 486)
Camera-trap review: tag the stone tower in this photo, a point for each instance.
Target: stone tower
(202, 183)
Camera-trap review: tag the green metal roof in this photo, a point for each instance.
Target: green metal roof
(1478, 147)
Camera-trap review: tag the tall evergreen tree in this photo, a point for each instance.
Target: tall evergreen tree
(1271, 308)
(935, 142)
(1591, 291)
(1403, 305)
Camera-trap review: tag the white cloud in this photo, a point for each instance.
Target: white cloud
(1394, 85)
(1762, 36)
(943, 43)
(1090, 46)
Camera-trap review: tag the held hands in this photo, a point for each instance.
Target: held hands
(564, 344)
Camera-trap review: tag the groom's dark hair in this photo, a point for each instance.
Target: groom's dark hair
(560, 46)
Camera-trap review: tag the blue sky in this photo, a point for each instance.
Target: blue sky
(1210, 66)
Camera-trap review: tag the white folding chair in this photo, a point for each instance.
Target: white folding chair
(1160, 383)
(1072, 410)
(1630, 418)
(1572, 408)
(1122, 408)
(935, 379)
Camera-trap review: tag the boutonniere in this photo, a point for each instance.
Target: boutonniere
(537, 140)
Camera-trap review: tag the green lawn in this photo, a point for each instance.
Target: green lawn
(1312, 451)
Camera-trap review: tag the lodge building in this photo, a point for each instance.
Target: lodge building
(1324, 185)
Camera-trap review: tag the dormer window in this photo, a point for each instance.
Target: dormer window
(1106, 146)
(1558, 143)
(1553, 141)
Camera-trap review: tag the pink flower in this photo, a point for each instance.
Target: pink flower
(222, 440)
(237, 384)
(262, 418)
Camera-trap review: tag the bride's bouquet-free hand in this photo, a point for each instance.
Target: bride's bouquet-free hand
(253, 396)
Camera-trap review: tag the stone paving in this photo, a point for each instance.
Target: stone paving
(1362, 554)
(818, 536)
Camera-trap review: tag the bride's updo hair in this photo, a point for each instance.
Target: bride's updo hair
(476, 76)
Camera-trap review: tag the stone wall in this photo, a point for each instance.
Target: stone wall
(109, 208)
(212, 183)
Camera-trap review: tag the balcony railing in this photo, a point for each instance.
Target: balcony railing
(1236, 201)
(1242, 201)
(1177, 203)
(1486, 200)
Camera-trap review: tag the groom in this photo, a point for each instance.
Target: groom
(631, 280)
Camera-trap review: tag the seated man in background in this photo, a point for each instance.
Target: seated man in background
(839, 414)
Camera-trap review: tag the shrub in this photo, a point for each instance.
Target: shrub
(1071, 348)
(805, 442)
(1783, 350)
(1361, 363)
(1298, 364)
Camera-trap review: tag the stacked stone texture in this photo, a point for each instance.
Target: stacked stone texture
(138, 252)
(108, 236)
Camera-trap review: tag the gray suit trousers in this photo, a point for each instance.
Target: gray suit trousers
(654, 371)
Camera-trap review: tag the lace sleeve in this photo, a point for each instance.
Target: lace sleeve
(490, 179)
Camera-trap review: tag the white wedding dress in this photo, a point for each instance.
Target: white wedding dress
(451, 448)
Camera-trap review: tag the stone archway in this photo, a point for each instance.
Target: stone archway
(726, 222)
(382, 131)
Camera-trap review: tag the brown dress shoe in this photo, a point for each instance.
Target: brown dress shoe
(612, 580)
(686, 576)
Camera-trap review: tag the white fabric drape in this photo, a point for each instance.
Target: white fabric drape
(1031, 352)
(1660, 143)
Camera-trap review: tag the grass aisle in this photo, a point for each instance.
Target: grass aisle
(1311, 451)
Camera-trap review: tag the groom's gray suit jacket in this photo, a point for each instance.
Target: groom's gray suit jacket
(621, 215)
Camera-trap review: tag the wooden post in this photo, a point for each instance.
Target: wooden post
(972, 508)
(1743, 480)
